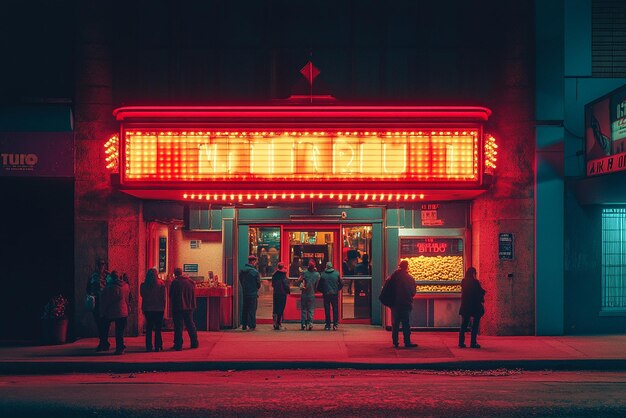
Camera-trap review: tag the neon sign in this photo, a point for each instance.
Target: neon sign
(205, 156)
(432, 246)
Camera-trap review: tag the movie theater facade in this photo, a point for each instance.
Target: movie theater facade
(361, 187)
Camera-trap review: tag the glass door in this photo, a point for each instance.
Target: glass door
(306, 243)
(356, 272)
(265, 242)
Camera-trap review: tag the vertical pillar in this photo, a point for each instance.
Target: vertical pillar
(106, 224)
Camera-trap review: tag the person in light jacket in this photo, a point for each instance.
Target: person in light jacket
(153, 306)
(114, 300)
(308, 284)
(330, 284)
(183, 302)
(472, 299)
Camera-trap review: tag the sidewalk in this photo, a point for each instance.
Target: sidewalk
(352, 346)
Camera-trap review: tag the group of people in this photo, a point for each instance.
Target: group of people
(399, 289)
(111, 293)
(310, 281)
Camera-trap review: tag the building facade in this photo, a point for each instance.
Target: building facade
(580, 59)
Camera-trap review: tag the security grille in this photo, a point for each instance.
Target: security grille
(608, 39)
(614, 259)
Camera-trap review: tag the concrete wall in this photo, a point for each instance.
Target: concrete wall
(107, 223)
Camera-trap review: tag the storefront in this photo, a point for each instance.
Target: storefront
(358, 186)
(596, 223)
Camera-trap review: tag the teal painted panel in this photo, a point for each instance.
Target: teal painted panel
(577, 39)
(377, 271)
(549, 60)
(216, 220)
(242, 259)
(396, 217)
(393, 253)
(228, 225)
(36, 118)
(278, 215)
(549, 215)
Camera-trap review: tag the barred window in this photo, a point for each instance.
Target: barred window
(608, 39)
(613, 259)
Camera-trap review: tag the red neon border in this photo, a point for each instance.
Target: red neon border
(466, 113)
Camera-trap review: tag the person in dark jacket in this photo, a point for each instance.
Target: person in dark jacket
(250, 283)
(401, 285)
(95, 284)
(364, 268)
(331, 285)
(294, 268)
(153, 306)
(114, 300)
(472, 299)
(183, 302)
(280, 284)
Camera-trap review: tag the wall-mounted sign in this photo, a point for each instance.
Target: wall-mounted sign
(162, 254)
(37, 154)
(195, 244)
(505, 246)
(605, 133)
(187, 156)
(414, 247)
(190, 268)
(449, 215)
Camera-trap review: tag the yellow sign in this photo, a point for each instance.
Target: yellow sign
(363, 155)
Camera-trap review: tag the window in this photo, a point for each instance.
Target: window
(264, 242)
(608, 39)
(613, 259)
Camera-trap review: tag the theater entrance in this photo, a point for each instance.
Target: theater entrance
(296, 246)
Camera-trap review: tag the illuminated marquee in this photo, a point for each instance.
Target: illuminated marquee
(205, 156)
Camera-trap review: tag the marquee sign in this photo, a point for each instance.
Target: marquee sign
(261, 153)
(205, 156)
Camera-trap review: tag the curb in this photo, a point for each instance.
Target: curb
(51, 368)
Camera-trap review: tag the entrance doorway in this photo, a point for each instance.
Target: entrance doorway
(346, 247)
(296, 247)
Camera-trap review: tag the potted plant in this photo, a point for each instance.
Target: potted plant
(54, 321)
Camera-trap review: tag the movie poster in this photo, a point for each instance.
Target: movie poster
(605, 134)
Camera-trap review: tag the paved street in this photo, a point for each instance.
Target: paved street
(344, 392)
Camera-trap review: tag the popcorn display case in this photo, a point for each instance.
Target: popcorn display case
(437, 261)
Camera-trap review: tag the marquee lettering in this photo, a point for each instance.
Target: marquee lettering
(190, 156)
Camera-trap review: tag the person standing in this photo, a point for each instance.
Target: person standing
(331, 286)
(400, 287)
(153, 306)
(308, 284)
(280, 284)
(472, 299)
(294, 268)
(250, 284)
(183, 302)
(95, 284)
(114, 300)
(363, 268)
